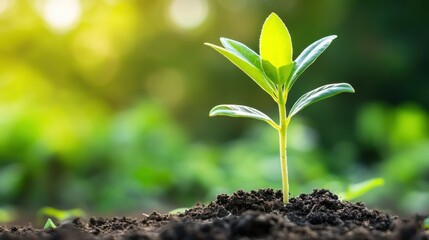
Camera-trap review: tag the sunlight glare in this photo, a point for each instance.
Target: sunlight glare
(61, 15)
(188, 14)
(4, 4)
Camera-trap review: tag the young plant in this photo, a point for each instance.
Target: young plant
(275, 72)
(49, 224)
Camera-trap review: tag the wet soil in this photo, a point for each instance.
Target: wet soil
(244, 215)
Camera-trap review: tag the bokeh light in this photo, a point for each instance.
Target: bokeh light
(61, 15)
(4, 4)
(188, 14)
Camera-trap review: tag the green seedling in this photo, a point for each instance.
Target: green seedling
(49, 224)
(356, 190)
(275, 72)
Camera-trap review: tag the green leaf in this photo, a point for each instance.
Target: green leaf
(247, 67)
(318, 94)
(280, 75)
(308, 56)
(49, 224)
(241, 111)
(275, 47)
(359, 189)
(243, 51)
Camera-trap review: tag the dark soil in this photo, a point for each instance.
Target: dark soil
(255, 215)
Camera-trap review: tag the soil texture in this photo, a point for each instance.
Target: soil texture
(243, 215)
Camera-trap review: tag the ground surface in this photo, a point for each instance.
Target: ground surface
(255, 215)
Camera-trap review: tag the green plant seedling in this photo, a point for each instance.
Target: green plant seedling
(356, 190)
(49, 224)
(275, 72)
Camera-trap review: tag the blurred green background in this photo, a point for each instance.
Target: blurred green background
(104, 104)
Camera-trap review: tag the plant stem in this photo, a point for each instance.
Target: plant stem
(284, 122)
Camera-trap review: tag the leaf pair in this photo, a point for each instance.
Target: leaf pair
(305, 100)
(274, 70)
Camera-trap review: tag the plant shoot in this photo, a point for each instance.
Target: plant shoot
(275, 72)
(49, 224)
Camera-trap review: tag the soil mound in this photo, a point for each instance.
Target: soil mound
(244, 215)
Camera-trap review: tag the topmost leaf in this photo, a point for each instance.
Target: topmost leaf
(275, 47)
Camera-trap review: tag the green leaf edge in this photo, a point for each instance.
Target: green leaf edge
(256, 74)
(233, 110)
(243, 51)
(301, 103)
(307, 57)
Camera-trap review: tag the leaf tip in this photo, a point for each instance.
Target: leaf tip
(352, 90)
(213, 46)
(273, 15)
(223, 39)
(331, 38)
(212, 112)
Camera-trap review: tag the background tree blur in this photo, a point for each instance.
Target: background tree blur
(104, 104)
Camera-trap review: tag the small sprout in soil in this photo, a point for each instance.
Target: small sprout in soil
(275, 72)
(49, 224)
(356, 190)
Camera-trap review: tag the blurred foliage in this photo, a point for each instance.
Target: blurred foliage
(59, 215)
(354, 191)
(7, 215)
(104, 104)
